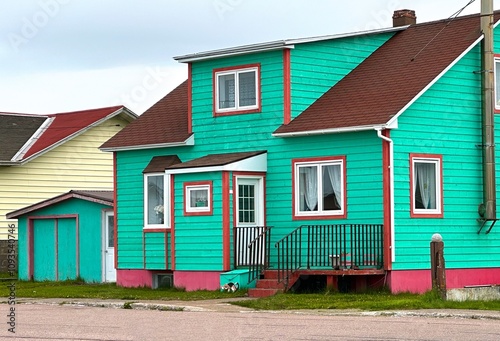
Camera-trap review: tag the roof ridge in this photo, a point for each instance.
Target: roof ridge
(86, 110)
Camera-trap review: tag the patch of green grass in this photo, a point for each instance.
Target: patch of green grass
(382, 300)
(80, 289)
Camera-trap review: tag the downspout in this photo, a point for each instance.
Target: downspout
(489, 188)
(391, 189)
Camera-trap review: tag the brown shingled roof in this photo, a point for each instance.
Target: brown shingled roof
(165, 122)
(390, 78)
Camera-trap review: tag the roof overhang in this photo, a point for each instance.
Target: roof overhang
(275, 45)
(393, 125)
(188, 142)
(71, 194)
(257, 163)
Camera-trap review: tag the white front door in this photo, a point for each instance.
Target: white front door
(249, 216)
(109, 247)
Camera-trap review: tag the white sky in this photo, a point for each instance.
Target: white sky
(65, 55)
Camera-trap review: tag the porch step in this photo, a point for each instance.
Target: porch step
(269, 285)
(261, 292)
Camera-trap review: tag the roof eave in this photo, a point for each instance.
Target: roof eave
(71, 194)
(333, 130)
(275, 45)
(188, 142)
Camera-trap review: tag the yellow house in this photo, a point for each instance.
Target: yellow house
(44, 156)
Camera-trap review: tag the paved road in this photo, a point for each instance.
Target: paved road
(83, 322)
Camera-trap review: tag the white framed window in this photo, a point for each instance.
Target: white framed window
(426, 186)
(497, 83)
(237, 90)
(156, 203)
(198, 198)
(319, 188)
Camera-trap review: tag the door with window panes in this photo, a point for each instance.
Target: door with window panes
(249, 216)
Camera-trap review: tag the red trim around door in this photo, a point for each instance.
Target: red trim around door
(226, 225)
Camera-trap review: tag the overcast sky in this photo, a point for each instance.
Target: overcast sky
(66, 55)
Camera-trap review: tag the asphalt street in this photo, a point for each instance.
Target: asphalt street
(218, 320)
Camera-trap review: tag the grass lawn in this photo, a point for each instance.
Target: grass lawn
(78, 289)
(380, 300)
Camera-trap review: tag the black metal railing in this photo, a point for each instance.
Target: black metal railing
(351, 246)
(251, 249)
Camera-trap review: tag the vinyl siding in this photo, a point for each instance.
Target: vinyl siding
(76, 164)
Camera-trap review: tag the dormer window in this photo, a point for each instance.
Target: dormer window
(237, 90)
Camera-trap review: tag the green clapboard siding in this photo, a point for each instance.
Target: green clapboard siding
(155, 250)
(22, 249)
(446, 120)
(316, 67)
(198, 239)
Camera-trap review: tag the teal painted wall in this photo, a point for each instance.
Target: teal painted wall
(90, 237)
(199, 239)
(446, 120)
(156, 250)
(316, 67)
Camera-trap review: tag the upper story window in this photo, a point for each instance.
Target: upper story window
(319, 188)
(156, 209)
(237, 90)
(426, 186)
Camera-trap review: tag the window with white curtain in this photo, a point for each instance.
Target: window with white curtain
(319, 188)
(426, 185)
(237, 90)
(155, 208)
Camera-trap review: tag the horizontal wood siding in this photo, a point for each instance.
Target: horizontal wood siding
(155, 250)
(446, 120)
(316, 67)
(76, 164)
(198, 238)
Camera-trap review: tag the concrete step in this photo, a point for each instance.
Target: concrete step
(269, 284)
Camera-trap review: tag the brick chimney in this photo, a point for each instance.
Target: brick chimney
(403, 17)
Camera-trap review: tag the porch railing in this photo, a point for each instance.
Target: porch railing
(351, 246)
(251, 249)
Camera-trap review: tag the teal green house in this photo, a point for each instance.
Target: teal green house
(66, 237)
(337, 157)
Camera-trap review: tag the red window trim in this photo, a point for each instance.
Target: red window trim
(236, 112)
(344, 202)
(496, 108)
(413, 214)
(210, 197)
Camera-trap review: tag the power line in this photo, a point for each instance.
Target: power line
(452, 17)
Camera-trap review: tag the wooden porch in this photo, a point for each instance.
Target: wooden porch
(332, 251)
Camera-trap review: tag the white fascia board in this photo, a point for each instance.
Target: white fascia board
(24, 149)
(276, 45)
(332, 131)
(434, 81)
(256, 163)
(188, 142)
